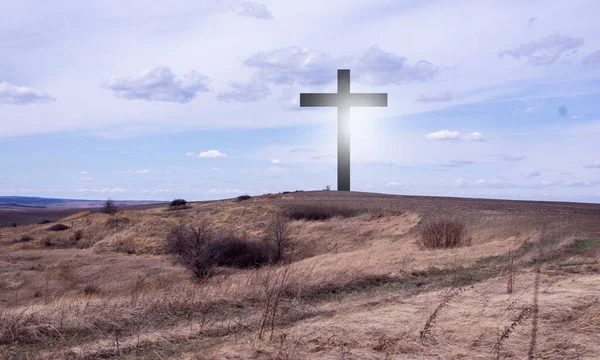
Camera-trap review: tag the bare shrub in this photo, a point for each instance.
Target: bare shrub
(244, 197)
(237, 252)
(44, 222)
(200, 249)
(443, 234)
(188, 244)
(58, 227)
(22, 239)
(110, 207)
(91, 289)
(315, 212)
(278, 235)
(47, 241)
(178, 202)
(117, 222)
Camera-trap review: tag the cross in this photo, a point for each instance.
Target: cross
(343, 100)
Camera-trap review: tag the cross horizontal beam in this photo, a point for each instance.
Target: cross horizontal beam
(344, 100)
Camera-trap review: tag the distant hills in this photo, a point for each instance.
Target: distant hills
(31, 202)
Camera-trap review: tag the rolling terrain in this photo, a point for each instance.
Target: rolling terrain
(24, 210)
(354, 285)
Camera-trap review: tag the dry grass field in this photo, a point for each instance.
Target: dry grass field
(355, 286)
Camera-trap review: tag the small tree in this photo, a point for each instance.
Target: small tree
(278, 234)
(110, 207)
(189, 245)
(178, 202)
(327, 188)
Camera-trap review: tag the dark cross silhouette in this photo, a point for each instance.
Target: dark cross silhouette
(343, 100)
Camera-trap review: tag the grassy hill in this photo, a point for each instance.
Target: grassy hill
(354, 282)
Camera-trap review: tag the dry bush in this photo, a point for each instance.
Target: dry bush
(23, 238)
(200, 249)
(178, 202)
(91, 289)
(244, 197)
(117, 222)
(58, 227)
(110, 207)
(316, 212)
(47, 241)
(443, 234)
(237, 252)
(188, 244)
(44, 222)
(278, 235)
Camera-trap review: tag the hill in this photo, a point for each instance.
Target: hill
(25, 210)
(354, 283)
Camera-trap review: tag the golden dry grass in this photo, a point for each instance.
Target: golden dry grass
(357, 287)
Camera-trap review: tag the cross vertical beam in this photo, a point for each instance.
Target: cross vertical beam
(343, 145)
(343, 100)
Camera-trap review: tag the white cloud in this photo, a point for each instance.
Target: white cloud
(21, 95)
(531, 21)
(212, 154)
(277, 161)
(139, 172)
(548, 182)
(84, 173)
(546, 51)
(319, 157)
(460, 182)
(252, 9)
(158, 84)
(86, 178)
(474, 136)
(306, 67)
(157, 191)
(457, 163)
(217, 169)
(190, 154)
(443, 135)
(592, 59)
(105, 190)
(394, 184)
(533, 174)
(593, 165)
(511, 158)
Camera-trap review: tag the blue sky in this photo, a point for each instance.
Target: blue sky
(200, 99)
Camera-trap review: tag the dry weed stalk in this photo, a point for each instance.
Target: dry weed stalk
(536, 289)
(274, 283)
(511, 271)
(523, 315)
(446, 297)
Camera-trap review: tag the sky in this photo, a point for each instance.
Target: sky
(142, 100)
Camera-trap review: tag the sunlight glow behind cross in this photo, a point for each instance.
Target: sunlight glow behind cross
(343, 100)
